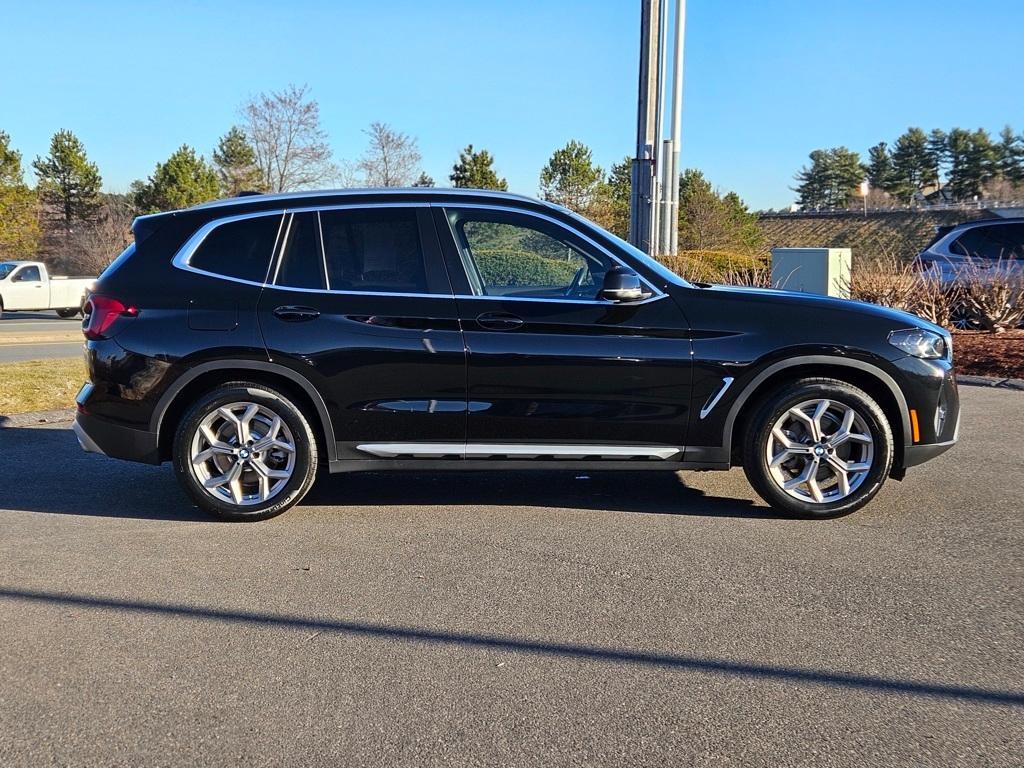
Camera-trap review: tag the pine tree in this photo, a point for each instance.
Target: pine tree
(832, 180)
(709, 221)
(184, 179)
(958, 145)
(982, 160)
(235, 160)
(880, 170)
(19, 219)
(424, 180)
(570, 177)
(938, 154)
(1010, 151)
(475, 171)
(912, 164)
(68, 183)
(620, 186)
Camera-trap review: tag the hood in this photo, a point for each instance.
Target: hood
(774, 296)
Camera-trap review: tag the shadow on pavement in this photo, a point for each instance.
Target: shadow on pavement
(44, 470)
(650, 492)
(669, 661)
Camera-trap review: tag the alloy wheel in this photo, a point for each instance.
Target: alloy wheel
(242, 453)
(820, 451)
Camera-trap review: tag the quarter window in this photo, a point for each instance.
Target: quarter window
(376, 250)
(240, 249)
(508, 254)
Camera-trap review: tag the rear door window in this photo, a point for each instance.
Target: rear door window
(302, 260)
(992, 243)
(375, 250)
(239, 249)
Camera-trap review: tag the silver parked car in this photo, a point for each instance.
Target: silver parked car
(973, 248)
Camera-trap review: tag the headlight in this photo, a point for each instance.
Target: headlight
(919, 343)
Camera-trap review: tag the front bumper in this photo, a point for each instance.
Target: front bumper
(932, 397)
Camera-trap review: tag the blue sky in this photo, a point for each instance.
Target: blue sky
(766, 82)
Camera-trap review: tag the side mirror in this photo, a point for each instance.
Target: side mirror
(621, 284)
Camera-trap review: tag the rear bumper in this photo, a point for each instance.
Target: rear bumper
(97, 435)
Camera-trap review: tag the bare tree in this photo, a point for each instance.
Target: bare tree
(391, 160)
(291, 147)
(92, 246)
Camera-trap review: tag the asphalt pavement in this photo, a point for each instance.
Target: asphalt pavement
(31, 322)
(513, 619)
(38, 336)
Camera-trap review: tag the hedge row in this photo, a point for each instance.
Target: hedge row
(508, 267)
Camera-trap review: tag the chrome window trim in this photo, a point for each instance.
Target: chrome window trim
(278, 255)
(186, 251)
(655, 292)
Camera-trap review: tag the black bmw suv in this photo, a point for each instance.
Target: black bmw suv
(256, 340)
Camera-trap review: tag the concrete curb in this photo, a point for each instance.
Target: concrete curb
(37, 417)
(991, 381)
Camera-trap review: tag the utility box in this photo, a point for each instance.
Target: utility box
(812, 270)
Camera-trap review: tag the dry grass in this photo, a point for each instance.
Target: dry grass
(40, 385)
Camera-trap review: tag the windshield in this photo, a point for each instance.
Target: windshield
(6, 269)
(652, 264)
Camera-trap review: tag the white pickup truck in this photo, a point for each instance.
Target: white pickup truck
(26, 285)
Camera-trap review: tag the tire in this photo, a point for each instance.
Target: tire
(278, 461)
(67, 314)
(773, 459)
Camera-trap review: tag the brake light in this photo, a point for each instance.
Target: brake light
(99, 314)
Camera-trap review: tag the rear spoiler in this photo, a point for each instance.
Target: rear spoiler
(940, 232)
(144, 226)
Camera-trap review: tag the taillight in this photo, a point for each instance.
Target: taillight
(99, 314)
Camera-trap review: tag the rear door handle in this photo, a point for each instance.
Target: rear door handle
(499, 321)
(296, 314)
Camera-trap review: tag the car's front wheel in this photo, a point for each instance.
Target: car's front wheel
(818, 448)
(245, 452)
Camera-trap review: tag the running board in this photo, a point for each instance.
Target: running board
(517, 451)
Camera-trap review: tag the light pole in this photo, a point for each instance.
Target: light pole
(643, 194)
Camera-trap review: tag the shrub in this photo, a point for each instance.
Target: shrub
(889, 282)
(506, 266)
(708, 266)
(993, 296)
(984, 296)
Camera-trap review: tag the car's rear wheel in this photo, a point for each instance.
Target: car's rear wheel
(245, 452)
(67, 314)
(818, 448)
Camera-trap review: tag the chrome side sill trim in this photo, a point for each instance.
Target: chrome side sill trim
(517, 450)
(710, 404)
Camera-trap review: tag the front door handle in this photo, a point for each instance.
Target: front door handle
(499, 321)
(296, 314)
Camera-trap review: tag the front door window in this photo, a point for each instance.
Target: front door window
(517, 256)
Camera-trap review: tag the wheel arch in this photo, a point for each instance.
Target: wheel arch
(201, 378)
(872, 379)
